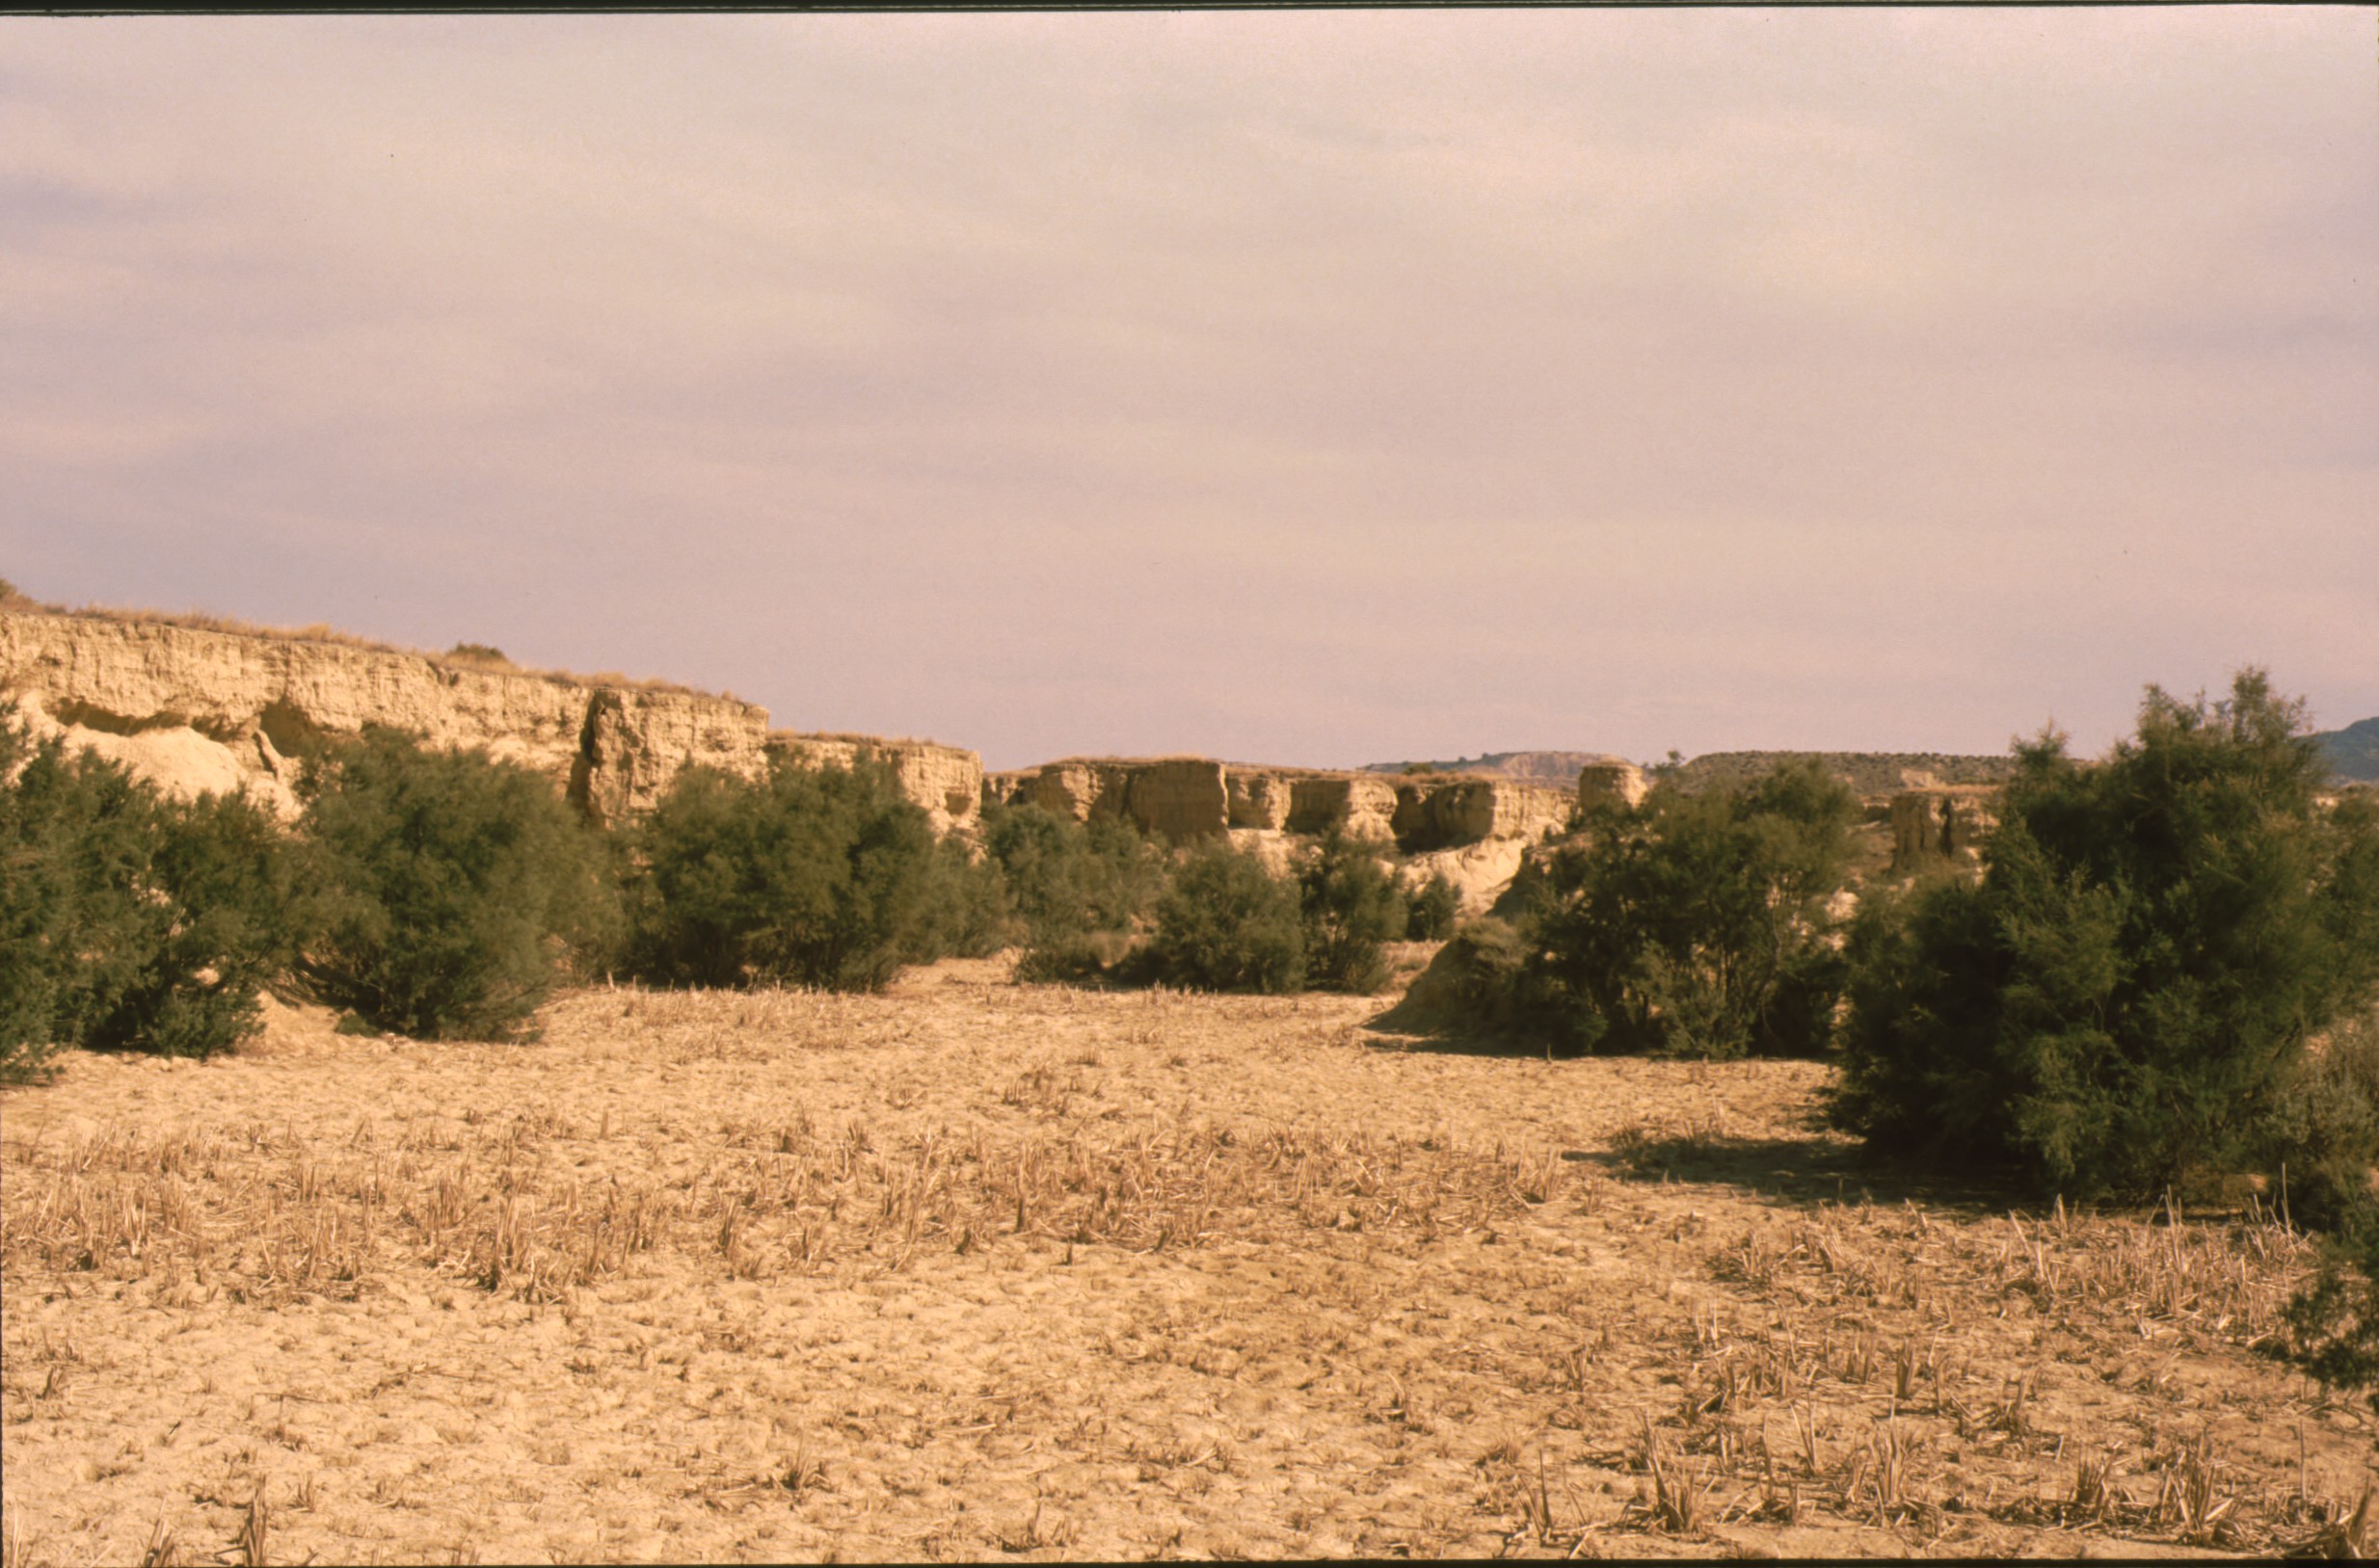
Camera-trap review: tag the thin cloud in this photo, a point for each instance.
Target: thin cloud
(1313, 386)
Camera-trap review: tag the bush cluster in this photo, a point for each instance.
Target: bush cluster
(813, 876)
(1227, 923)
(453, 888)
(129, 920)
(1351, 908)
(1431, 908)
(1688, 924)
(445, 895)
(2122, 1000)
(1074, 893)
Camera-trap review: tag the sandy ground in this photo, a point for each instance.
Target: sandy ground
(971, 1270)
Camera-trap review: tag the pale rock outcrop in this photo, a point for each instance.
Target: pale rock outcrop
(1064, 789)
(1479, 872)
(1181, 797)
(1073, 789)
(178, 759)
(947, 781)
(1195, 797)
(160, 696)
(1431, 813)
(1358, 807)
(1258, 799)
(1622, 781)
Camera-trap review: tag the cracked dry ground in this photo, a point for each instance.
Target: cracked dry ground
(972, 1269)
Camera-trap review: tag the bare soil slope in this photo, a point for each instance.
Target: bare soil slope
(972, 1269)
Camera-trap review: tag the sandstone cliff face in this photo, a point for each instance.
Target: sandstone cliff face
(1360, 808)
(1479, 872)
(1258, 801)
(947, 781)
(198, 709)
(1432, 814)
(1195, 798)
(1182, 797)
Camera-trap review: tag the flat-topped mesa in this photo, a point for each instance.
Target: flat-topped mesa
(196, 709)
(200, 708)
(1181, 797)
(947, 781)
(1194, 797)
(1358, 807)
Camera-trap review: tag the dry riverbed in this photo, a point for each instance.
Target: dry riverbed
(973, 1270)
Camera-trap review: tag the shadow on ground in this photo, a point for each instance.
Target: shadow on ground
(1821, 1167)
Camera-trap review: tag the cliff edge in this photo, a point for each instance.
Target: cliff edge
(196, 709)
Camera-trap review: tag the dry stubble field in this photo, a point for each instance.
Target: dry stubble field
(971, 1270)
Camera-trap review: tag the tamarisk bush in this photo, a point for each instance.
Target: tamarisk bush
(131, 919)
(815, 876)
(2119, 1002)
(451, 888)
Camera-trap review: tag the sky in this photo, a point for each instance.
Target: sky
(1318, 387)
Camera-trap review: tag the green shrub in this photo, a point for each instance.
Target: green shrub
(2318, 1139)
(39, 899)
(452, 887)
(1352, 909)
(227, 924)
(1432, 909)
(2122, 1001)
(1691, 924)
(129, 920)
(1069, 882)
(1078, 959)
(1066, 877)
(963, 908)
(2334, 1321)
(808, 876)
(1227, 923)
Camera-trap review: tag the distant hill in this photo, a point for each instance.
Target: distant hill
(1552, 767)
(2354, 751)
(1867, 773)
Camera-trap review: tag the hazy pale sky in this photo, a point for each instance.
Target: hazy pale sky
(1317, 388)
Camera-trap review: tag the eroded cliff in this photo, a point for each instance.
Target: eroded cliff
(947, 781)
(1195, 797)
(201, 709)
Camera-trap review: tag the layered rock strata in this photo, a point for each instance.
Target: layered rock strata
(198, 710)
(947, 781)
(1196, 798)
(1358, 807)
(1181, 797)
(1430, 814)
